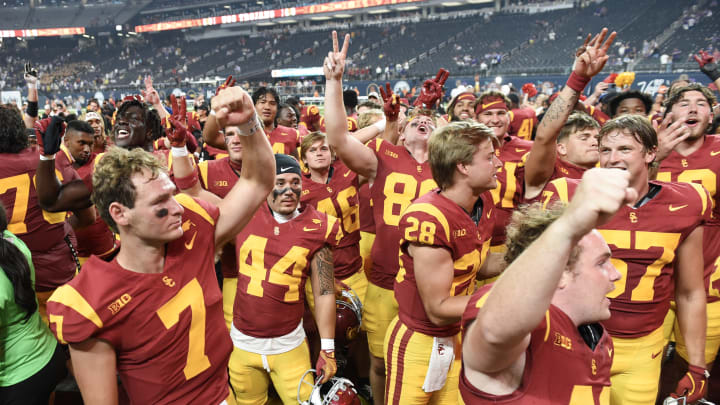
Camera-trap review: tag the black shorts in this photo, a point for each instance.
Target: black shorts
(36, 389)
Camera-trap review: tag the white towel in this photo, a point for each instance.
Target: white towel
(441, 359)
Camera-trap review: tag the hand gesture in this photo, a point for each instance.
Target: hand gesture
(50, 131)
(229, 82)
(233, 106)
(693, 385)
(601, 87)
(391, 103)
(176, 130)
(590, 58)
(529, 89)
(326, 366)
(334, 64)
(150, 94)
(707, 65)
(432, 90)
(31, 75)
(669, 135)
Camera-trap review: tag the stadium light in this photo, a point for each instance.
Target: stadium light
(498, 79)
(118, 27)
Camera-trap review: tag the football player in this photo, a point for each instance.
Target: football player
(461, 107)
(154, 314)
(657, 246)
(533, 336)
(446, 237)
(522, 120)
(398, 174)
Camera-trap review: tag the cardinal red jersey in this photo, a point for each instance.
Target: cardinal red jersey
(339, 198)
(563, 169)
(96, 239)
(284, 140)
(274, 261)
(166, 328)
(560, 368)
(352, 124)
(598, 115)
(644, 242)
(522, 123)
(43, 232)
(215, 152)
(702, 167)
(434, 220)
(367, 222)
(218, 177)
(509, 184)
(310, 117)
(400, 179)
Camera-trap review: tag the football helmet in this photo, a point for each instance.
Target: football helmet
(348, 315)
(337, 391)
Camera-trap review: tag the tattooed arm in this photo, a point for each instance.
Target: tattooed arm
(323, 286)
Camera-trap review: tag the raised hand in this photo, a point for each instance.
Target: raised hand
(530, 90)
(150, 94)
(176, 130)
(233, 107)
(229, 82)
(30, 75)
(432, 90)
(707, 65)
(590, 58)
(391, 103)
(334, 64)
(51, 131)
(669, 135)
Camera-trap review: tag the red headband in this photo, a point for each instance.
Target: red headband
(466, 96)
(490, 103)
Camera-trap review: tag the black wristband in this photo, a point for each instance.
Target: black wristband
(711, 70)
(32, 109)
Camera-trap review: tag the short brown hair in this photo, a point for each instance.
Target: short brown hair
(452, 144)
(675, 96)
(527, 224)
(367, 118)
(112, 178)
(577, 121)
(637, 126)
(310, 139)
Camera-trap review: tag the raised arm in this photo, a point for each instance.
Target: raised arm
(323, 286)
(709, 66)
(351, 151)
(152, 97)
(31, 78)
(211, 130)
(233, 106)
(94, 368)
(517, 303)
(540, 163)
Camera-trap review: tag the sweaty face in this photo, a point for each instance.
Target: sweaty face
(581, 147)
(620, 150)
(593, 278)
(318, 156)
(79, 144)
(630, 106)
(285, 197)
(156, 216)
(234, 147)
(498, 120)
(287, 118)
(130, 130)
(266, 107)
(694, 111)
(464, 109)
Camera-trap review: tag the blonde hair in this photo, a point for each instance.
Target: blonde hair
(370, 117)
(308, 140)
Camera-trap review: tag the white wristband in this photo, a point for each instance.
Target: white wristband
(327, 344)
(251, 127)
(380, 125)
(179, 152)
(47, 157)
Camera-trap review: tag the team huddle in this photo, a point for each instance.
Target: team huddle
(479, 257)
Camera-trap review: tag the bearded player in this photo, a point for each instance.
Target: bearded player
(686, 153)
(154, 314)
(398, 174)
(446, 238)
(533, 337)
(657, 246)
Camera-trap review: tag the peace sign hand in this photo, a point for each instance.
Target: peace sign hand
(334, 64)
(592, 55)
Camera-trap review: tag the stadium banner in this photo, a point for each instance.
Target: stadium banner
(42, 32)
(269, 14)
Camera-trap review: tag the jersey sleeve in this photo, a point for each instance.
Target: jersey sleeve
(477, 300)
(205, 210)
(425, 224)
(72, 318)
(203, 169)
(706, 203)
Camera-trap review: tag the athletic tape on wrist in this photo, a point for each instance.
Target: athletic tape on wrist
(47, 157)
(327, 344)
(577, 82)
(251, 127)
(179, 152)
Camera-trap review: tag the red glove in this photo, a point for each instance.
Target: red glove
(708, 65)
(432, 90)
(391, 105)
(176, 131)
(693, 385)
(529, 89)
(49, 134)
(229, 82)
(326, 367)
(611, 78)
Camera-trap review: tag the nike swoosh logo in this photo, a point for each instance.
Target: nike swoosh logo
(284, 169)
(654, 355)
(488, 214)
(347, 173)
(519, 150)
(189, 245)
(610, 352)
(713, 153)
(673, 209)
(485, 106)
(306, 229)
